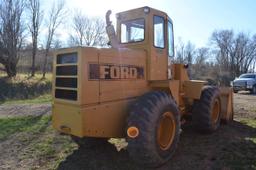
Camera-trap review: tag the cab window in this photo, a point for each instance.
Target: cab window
(133, 31)
(170, 40)
(159, 32)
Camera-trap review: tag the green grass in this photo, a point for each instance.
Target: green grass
(46, 98)
(240, 153)
(9, 126)
(37, 140)
(249, 122)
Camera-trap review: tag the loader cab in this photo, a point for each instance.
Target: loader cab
(152, 30)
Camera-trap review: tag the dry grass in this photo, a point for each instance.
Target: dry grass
(25, 87)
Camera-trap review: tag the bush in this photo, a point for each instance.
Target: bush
(23, 88)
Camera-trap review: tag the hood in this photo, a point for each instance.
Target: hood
(243, 79)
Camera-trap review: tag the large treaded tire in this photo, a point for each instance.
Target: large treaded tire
(146, 114)
(89, 142)
(202, 110)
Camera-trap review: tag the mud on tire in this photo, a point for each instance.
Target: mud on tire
(148, 114)
(206, 111)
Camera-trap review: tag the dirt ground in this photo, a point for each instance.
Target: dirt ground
(231, 147)
(24, 110)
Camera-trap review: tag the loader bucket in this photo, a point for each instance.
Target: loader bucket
(227, 111)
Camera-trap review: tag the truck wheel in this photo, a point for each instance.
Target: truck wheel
(156, 117)
(235, 91)
(206, 110)
(88, 142)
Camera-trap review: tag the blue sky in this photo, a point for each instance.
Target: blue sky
(194, 20)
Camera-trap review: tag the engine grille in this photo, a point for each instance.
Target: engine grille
(239, 83)
(66, 76)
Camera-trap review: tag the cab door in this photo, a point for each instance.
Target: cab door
(159, 59)
(170, 47)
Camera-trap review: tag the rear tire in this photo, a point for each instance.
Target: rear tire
(206, 111)
(157, 117)
(88, 142)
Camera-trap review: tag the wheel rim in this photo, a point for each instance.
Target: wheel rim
(166, 131)
(215, 111)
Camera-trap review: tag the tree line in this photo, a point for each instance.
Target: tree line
(22, 22)
(228, 54)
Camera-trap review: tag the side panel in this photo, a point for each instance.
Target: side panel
(89, 88)
(105, 120)
(122, 74)
(66, 116)
(101, 120)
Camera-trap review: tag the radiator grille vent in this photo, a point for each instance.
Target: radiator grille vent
(66, 76)
(66, 70)
(66, 94)
(66, 82)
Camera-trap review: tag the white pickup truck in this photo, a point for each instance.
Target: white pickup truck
(245, 82)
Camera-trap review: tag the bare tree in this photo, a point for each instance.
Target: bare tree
(11, 34)
(189, 52)
(35, 18)
(201, 55)
(180, 52)
(55, 18)
(234, 53)
(185, 53)
(88, 31)
(199, 67)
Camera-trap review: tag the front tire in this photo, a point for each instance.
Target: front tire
(157, 118)
(206, 111)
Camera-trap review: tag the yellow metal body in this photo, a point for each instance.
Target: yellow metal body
(93, 87)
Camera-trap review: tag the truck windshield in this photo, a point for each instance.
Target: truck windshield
(132, 31)
(247, 76)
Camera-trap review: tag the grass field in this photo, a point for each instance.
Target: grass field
(34, 141)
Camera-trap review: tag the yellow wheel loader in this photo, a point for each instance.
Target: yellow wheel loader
(133, 91)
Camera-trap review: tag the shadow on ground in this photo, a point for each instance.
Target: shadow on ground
(231, 147)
